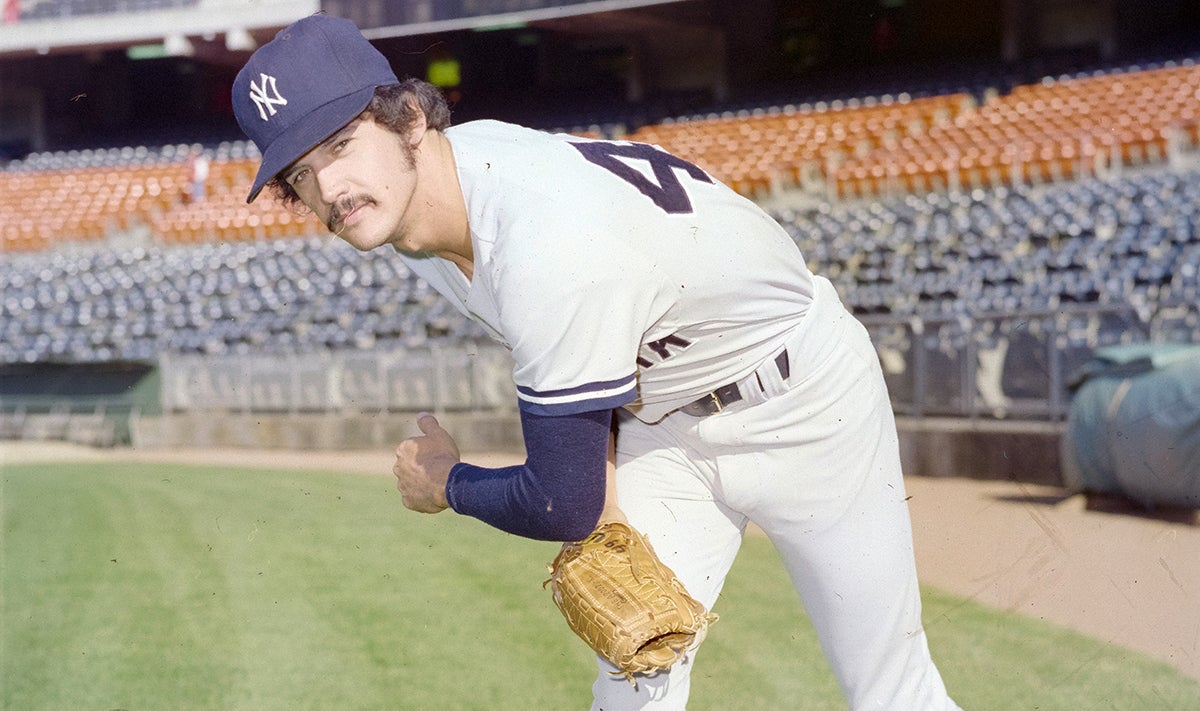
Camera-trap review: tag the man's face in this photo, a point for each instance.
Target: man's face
(359, 182)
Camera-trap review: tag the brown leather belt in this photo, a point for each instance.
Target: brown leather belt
(726, 395)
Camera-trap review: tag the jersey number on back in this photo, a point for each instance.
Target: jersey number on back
(668, 193)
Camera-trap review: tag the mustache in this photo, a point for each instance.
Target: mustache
(344, 206)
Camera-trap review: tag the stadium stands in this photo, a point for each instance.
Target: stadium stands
(1025, 247)
(1055, 196)
(88, 195)
(281, 296)
(1060, 128)
(1129, 242)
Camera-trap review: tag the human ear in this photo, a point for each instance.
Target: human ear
(419, 125)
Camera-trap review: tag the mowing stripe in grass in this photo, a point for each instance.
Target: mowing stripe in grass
(144, 586)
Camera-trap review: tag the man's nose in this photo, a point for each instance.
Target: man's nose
(331, 183)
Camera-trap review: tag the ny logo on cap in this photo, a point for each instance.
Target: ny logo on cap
(265, 96)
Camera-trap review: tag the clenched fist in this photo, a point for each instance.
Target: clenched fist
(423, 465)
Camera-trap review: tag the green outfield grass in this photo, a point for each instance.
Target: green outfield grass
(161, 587)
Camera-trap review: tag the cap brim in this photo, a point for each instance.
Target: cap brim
(300, 138)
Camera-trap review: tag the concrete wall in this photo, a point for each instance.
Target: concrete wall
(319, 431)
(980, 449)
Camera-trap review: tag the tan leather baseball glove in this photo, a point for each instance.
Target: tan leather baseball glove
(625, 603)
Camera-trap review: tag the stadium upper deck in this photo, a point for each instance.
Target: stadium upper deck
(1058, 192)
(1060, 128)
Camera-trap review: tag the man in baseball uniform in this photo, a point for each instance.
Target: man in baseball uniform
(631, 287)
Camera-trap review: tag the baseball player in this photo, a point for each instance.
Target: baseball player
(632, 288)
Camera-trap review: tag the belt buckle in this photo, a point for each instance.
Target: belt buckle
(708, 404)
(717, 400)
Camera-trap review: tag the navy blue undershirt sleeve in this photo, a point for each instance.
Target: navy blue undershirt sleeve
(556, 495)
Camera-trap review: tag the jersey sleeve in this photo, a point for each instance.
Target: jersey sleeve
(575, 315)
(604, 394)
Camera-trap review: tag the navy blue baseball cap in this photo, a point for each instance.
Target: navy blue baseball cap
(316, 76)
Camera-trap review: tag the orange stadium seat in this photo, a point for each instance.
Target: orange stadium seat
(1052, 130)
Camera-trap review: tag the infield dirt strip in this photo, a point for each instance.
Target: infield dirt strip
(1127, 579)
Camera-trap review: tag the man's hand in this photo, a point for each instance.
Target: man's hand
(423, 465)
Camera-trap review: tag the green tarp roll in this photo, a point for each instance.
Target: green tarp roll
(1134, 425)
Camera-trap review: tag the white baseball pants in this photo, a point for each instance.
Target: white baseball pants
(816, 466)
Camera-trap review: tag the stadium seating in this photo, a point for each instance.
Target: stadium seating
(85, 196)
(751, 149)
(1059, 129)
(1056, 194)
(289, 295)
(1133, 241)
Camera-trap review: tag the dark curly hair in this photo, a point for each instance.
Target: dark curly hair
(392, 108)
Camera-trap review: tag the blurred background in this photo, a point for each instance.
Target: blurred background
(1006, 192)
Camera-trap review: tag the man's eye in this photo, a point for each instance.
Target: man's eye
(340, 145)
(297, 177)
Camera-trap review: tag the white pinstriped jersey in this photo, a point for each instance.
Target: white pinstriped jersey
(616, 273)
